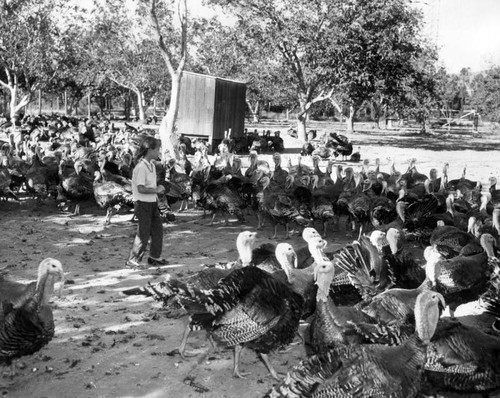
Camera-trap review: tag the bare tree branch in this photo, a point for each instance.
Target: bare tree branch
(167, 56)
(320, 97)
(3, 84)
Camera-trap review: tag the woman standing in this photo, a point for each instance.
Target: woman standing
(145, 191)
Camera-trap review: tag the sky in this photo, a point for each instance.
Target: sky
(467, 32)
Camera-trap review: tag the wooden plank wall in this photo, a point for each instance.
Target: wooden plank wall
(208, 106)
(229, 108)
(196, 105)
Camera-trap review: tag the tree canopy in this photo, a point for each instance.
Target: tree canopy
(294, 54)
(344, 51)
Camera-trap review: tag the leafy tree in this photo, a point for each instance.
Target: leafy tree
(301, 33)
(486, 93)
(343, 51)
(77, 73)
(122, 51)
(227, 52)
(420, 93)
(381, 51)
(174, 53)
(29, 53)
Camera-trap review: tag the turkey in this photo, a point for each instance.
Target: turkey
(405, 270)
(257, 168)
(463, 184)
(358, 204)
(27, 323)
(218, 197)
(368, 370)
(301, 280)
(363, 268)
(344, 147)
(391, 311)
(279, 176)
(275, 143)
(37, 179)
(490, 300)
(249, 308)
(75, 186)
(323, 205)
(278, 205)
(463, 278)
(331, 323)
(208, 278)
(412, 177)
(111, 195)
(304, 255)
(205, 278)
(307, 149)
(177, 185)
(5, 184)
(451, 241)
(462, 359)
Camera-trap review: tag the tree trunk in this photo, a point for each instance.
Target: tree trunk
(140, 105)
(301, 128)
(66, 102)
(350, 119)
(168, 133)
(5, 103)
(254, 110)
(73, 105)
(375, 111)
(14, 109)
(39, 102)
(337, 106)
(301, 122)
(127, 107)
(12, 105)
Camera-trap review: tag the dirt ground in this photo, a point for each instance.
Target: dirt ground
(110, 345)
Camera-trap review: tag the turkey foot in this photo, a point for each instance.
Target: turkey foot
(185, 354)
(236, 368)
(270, 367)
(241, 375)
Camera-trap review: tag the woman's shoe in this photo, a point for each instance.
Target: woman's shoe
(157, 261)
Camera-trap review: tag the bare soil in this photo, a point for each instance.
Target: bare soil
(110, 345)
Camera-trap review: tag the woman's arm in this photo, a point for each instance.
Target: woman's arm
(159, 189)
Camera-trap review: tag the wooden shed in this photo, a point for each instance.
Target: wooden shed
(209, 106)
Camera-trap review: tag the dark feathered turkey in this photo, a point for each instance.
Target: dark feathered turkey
(26, 322)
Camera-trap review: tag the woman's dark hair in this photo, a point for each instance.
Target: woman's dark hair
(146, 143)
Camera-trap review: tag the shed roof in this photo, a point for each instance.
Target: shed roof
(214, 77)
